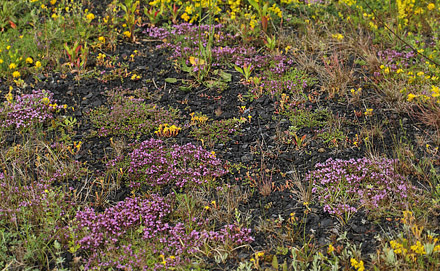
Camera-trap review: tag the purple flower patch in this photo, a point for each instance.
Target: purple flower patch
(344, 186)
(153, 163)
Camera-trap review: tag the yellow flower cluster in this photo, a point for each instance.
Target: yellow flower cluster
(348, 2)
(330, 249)
(90, 17)
(275, 9)
(100, 57)
(397, 247)
(359, 266)
(198, 118)
(16, 74)
(235, 8)
(405, 7)
(338, 36)
(435, 91)
(165, 130)
(418, 248)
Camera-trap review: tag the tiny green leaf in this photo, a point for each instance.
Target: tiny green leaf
(171, 80)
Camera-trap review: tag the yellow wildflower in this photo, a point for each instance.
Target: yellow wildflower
(127, 34)
(9, 97)
(368, 112)
(29, 60)
(276, 10)
(52, 2)
(373, 25)
(1, 61)
(411, 97)
(185, 17)
(189, 10)
(37, 64)
(101, 39)
(12, 66)
(16, 74)
(90, 16)
(418, 248)
(100, 56)
(338, 36)
(359, 266)
(54, 16)
(330, 249)
(431, 6)
(45, 100)
(135, 77)
(435, 91)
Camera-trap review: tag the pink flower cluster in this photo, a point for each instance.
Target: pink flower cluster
(28, 109)
(153, 163)
(106, 235)
(345, 185)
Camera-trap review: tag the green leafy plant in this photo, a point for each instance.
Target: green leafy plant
(77, 55)
(218, 131)
(129, 7)
(246, 70)
(131, 117)
(155, 14)
(332, 136)
(270, 43)
(305, 118)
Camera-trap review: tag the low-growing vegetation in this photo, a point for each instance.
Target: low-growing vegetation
(219, 135)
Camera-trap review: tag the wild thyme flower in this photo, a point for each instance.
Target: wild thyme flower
(103, 235)
(183, 40)
(153, 163)
(345, 185)
(28, 109)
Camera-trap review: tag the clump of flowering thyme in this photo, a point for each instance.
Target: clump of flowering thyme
(153, 163)
(135, 234)
(344, 186)
(27, 109)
